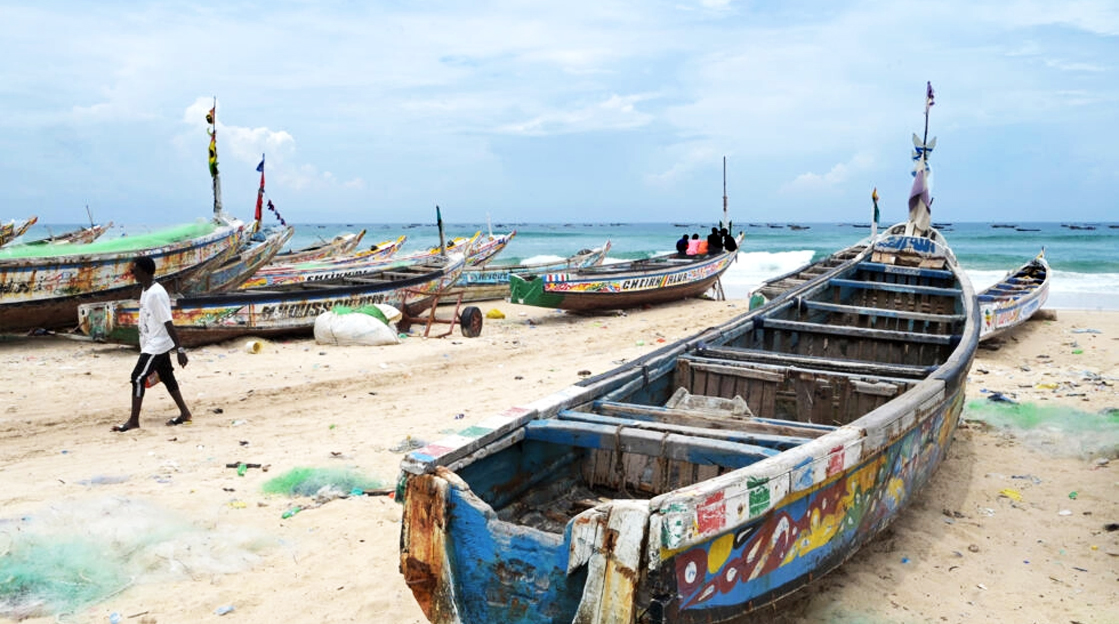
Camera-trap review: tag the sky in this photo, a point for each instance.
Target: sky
(550, 112)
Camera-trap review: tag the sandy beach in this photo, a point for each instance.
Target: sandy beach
(1012, 528)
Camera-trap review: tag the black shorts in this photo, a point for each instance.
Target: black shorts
(146, 364)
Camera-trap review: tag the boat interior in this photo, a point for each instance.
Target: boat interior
(1022, 282)
(852, 340)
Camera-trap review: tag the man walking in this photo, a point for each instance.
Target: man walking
(157, 339)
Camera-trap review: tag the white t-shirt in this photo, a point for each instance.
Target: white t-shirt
(155, 310)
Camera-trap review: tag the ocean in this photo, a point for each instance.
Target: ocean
(1084, 257)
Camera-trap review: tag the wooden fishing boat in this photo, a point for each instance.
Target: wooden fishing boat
(491, 281)
(341, 245)
(1015, 298)
(669, 277)
(712, 477)
(14, 229)
(779, 285)
(42, 285)
(485, 248)
(280, 310)
(256, 252)
(352, 265)
(79, 236)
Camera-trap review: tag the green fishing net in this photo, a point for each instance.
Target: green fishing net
(118, 244)
(308, 481)
(370, 310)
(1059, 430)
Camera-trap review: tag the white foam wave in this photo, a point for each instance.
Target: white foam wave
(754, 267)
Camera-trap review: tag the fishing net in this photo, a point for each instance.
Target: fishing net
(1057, 430)
(120, 244)
(309, 481)
(370, 310)
(83, 552)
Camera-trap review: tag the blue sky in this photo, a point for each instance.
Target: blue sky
(580, 111)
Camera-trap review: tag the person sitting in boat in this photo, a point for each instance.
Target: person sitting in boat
(682, 245)
(701, 250)
(693, 245)
(729, 243)
(714, 242)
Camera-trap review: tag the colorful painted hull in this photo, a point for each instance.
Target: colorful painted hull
(254, 254)
(42, 286)
(491, 281)
(279, 311)
(340, 245)
(485, 248)
(354, 265)
(1015, 298)
(712, 477)
(622, 285)
(14, 229)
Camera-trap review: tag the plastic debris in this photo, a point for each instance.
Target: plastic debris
(1073, 494)
(494, 313)
(1014, 495)
(1086, 331)
(999, 397)
(224, 609)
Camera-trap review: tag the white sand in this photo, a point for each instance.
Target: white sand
(963, 553)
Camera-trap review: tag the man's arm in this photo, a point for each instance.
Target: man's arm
(182, 356)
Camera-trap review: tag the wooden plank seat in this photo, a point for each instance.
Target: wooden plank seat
(773, 371)
(905, 371)
(883, 312)
(696, 418)
(855, 332)
(366, 280)
(911, 289)
(743, 431)
(878, 267)
(631, 440)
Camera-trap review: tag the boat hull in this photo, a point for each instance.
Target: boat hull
(208, 319)
(46, 291)
(491, 281)
(1014, 299)
(648, 282)
(710, 478)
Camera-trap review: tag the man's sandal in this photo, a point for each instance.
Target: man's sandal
(179, 420)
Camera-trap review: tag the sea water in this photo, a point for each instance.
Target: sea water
(1084, 257)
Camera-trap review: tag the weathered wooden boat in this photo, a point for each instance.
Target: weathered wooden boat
(1015, 298)
(712, 477)
(254, 253)
(352, 265)
(669, 277)
(485, 248)
(341, 245)
(491, 280)
(79, 236)
(280, 310)
(14, 229)
(42, 286)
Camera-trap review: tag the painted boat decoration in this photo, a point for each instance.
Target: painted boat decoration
(485, 248)
(709, 478)
(623, 284)
(341, 245)
(491, 281)
(1015, 298)
(14, 229)
(42, 286)
(353, 265)
(79, 236)
(277, 311)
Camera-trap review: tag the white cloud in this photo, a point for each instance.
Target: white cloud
(836, 176)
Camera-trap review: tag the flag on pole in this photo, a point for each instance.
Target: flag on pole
(929, 97)
(874, 198)
(260, 192)
(213, 131)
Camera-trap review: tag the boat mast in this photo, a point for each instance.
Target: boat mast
(726, 223)
(212, 119)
